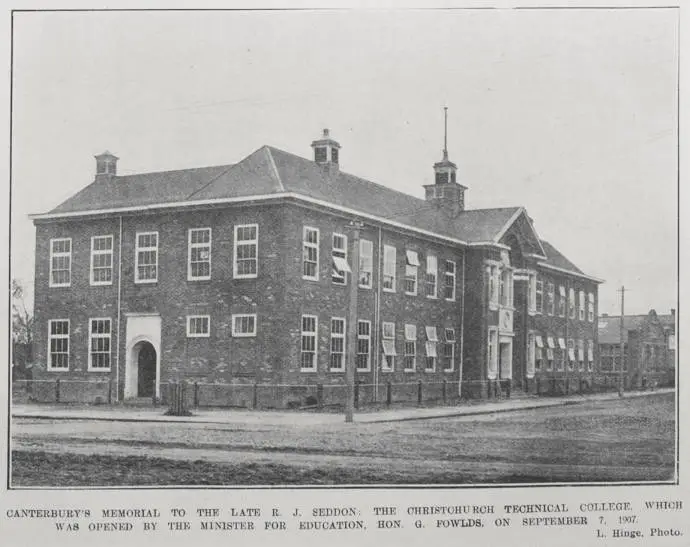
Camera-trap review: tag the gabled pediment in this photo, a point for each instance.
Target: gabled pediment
(519, 228)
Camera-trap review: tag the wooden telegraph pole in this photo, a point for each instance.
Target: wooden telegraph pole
(622, 342)
(351, 360)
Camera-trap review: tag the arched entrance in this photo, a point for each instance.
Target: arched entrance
(145, 357)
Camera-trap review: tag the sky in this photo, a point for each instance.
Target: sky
(570, 113)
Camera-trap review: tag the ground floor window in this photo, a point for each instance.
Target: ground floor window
(431, 354)
(410, 348)
(198, 326)
(449, 351)
(363, 344)
(58, 344)
(309, 342)
(244, 325)
(99, 344)
(337, 344)
(492, 354)
(388, 343)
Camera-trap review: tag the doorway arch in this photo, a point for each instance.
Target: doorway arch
(145, 356)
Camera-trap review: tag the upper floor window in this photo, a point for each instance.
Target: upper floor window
(337, 344)
(493, 275)
(540, 296)
(531, 293)
(146, 270)
(310, 253)
(581, 307)
(389, 259)
(363, 344)
(571, 303)
(58, 344)
(561, 301)
(411, 267)
(506, 288)
(244, 325)
(550, 299)
(366, 263)
(101, 260)
(388, 343)
(590, 307)
(309, 342)
(340, 265)
(199, 254)
(60, 262)
(431, 276)
(246, 251)
(99, 344)
(198, 326)
(449, 281)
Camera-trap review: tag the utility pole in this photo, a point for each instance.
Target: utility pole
(351, 360)
(622, 342)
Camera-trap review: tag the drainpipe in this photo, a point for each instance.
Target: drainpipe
(462, 324)
(377, 316)
(119, 300)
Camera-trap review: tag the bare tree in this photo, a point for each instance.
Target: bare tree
(22, 324)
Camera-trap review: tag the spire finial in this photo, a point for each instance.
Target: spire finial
(445, 132)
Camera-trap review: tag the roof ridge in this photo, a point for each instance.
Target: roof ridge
(269, 154)
(228, 165)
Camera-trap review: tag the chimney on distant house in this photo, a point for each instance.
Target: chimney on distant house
(327, 152)
(106, 165)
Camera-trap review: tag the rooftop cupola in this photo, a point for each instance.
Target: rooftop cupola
(106, 164)
(446, 190)
(326, 150)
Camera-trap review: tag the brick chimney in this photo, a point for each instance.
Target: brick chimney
(106, 165)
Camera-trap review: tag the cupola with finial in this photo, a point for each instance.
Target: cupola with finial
(106, 164)
(326, 151)
(446, 190)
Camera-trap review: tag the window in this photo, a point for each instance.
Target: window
(563, 354)
(571, 354)
(431, 276)
(538, 353)
(561, 301)
(532, 293)
(531, 354)
(101, 260)
(337, 344)
(246, 251)
(449, 281)
(506, 288)
(540, 296)
(363, 344)
(571, 303)
(431, 355)
(590, 307)
(199, 254)
(493, 273)
(310, 253)
(99, 344)
(410, 348)
(550, 300)
(590, 355)
(388, 343)
(60, 262)
(581, 307)
(411, 266)
(581, 355)
(198, 326)
(244, 325)
(449, 351)
(340, 266)
(389, 259)
(309, 343)
(492, 353)
(58, 344)
(146, 257)
(366, 263)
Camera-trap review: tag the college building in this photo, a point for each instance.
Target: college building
(241, 274)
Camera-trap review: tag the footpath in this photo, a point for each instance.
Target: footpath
(124, 413)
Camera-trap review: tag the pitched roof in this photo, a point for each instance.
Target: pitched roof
(556, 259)
(610, 326)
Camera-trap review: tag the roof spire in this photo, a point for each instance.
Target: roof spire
(445, 132)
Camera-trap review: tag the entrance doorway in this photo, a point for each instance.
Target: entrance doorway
(505, 359)
(146, 369)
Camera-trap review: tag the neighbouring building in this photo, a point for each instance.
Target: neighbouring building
(239, 274)
(649, 343)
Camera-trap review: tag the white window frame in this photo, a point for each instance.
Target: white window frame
(580, 354)
(390, 336)
(311, 334)
(389, 268)
(239, 333)
(138, 249)
(366, 337)
(571, 303)
(100, 252)
(562, 301)
(452, 275)
(532, 293)
(449, 342)
(431, 277)
(590, 355)
(191, 318)
(340, 252)
(191, 246)
(590, 307)
(539, 300)
(431, 342)
(366, 262)
(107, 336)
(49, 364)
(310, 245)
(492, 354)
(531, 354)
(551, 304)
(410, 342)
(338, 336)
(411, 271)
(60, 254)
(494, 275)
(237, 243)
(571, 347)
(581, 307)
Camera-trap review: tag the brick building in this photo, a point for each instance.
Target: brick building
(239, 274)
(649, 343)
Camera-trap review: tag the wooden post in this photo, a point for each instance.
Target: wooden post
(196, 394)
(389, 394)
(445, 390)
(57, 390)
(419, 392)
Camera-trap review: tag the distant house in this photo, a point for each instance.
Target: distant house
(240, 274)
(649, 347)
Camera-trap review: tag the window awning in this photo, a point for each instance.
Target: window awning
(539, 341)
(571, 354)
(431, 349)
(431, 334)
(412, 258)
(410, 332)
(561, 343)
(341, 265)
(388, 347)
(549, 341)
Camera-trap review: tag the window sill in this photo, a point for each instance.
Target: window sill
(305, 278)
(99, 370)
(410, 293)
(310, 370)
(252, 276)
(365, 287)
(92, 284)
(146, 282)
(389, 290)
(337, 370)
(198, 279)
(60, 286)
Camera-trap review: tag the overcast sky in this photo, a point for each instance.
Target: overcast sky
(570, 113)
